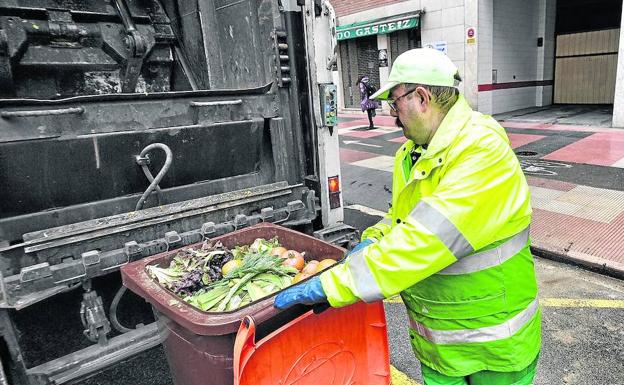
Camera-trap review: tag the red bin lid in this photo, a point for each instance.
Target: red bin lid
(343, 346)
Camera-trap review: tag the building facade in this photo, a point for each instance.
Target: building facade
(511, 54)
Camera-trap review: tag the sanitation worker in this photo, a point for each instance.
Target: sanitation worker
(455, 242)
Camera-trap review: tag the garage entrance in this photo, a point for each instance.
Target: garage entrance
(586, 51)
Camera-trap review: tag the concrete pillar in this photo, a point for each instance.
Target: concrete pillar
(546, 54)
(471, 54)
(485, 47)
(618, 103)
(383, 42)
(337, 77)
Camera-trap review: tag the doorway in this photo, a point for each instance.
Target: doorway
(358, 57)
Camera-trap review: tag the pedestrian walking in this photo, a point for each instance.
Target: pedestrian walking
(455, 242)
(366, 103)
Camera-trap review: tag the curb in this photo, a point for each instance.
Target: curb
(582, 260)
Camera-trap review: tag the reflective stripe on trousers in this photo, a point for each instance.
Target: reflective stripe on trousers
(485, 334)
(489, 258)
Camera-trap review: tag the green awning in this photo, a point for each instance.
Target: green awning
(376, 27)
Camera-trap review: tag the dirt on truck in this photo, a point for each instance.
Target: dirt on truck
(132, 127)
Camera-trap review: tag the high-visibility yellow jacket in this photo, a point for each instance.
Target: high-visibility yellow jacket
(455, 245)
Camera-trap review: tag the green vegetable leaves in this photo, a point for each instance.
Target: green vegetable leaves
(192, 274)
(259, 276)
(192, 269)
(166, 277)
(261, 245)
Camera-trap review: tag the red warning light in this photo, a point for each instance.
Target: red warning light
(334, 184)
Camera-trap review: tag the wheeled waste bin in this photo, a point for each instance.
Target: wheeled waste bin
(260, 345)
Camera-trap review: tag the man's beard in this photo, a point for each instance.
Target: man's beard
(398, 123)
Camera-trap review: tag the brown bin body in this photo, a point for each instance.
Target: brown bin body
(199, 345)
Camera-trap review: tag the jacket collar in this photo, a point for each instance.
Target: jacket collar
(452, 123)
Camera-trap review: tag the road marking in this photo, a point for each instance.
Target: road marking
(573, 302)
(397, 377)
(381, 163)
(561, 302)
(366, 210)
(361, 144)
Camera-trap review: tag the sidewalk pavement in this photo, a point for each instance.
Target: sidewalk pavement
(575, 172)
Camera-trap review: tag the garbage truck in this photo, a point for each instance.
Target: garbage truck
(133, 127)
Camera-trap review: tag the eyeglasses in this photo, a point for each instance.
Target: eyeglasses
(392, 102)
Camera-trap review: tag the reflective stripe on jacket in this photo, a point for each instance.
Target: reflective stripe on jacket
(455, 245)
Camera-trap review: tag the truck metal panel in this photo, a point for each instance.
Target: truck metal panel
(131, 127)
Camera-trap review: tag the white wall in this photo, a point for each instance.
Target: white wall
(514, 52)
(547, 10)
(485, 34)
(618, 104)
(471, 53)
(508, 32)
(445, 21)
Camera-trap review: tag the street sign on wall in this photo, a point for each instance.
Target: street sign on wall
(367, 28)
(471, 35)
(441, 46)
(383, 57)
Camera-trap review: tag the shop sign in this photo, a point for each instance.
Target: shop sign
(368, 28)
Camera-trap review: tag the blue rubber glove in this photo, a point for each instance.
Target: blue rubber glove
(360, 246)
(307, 293)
